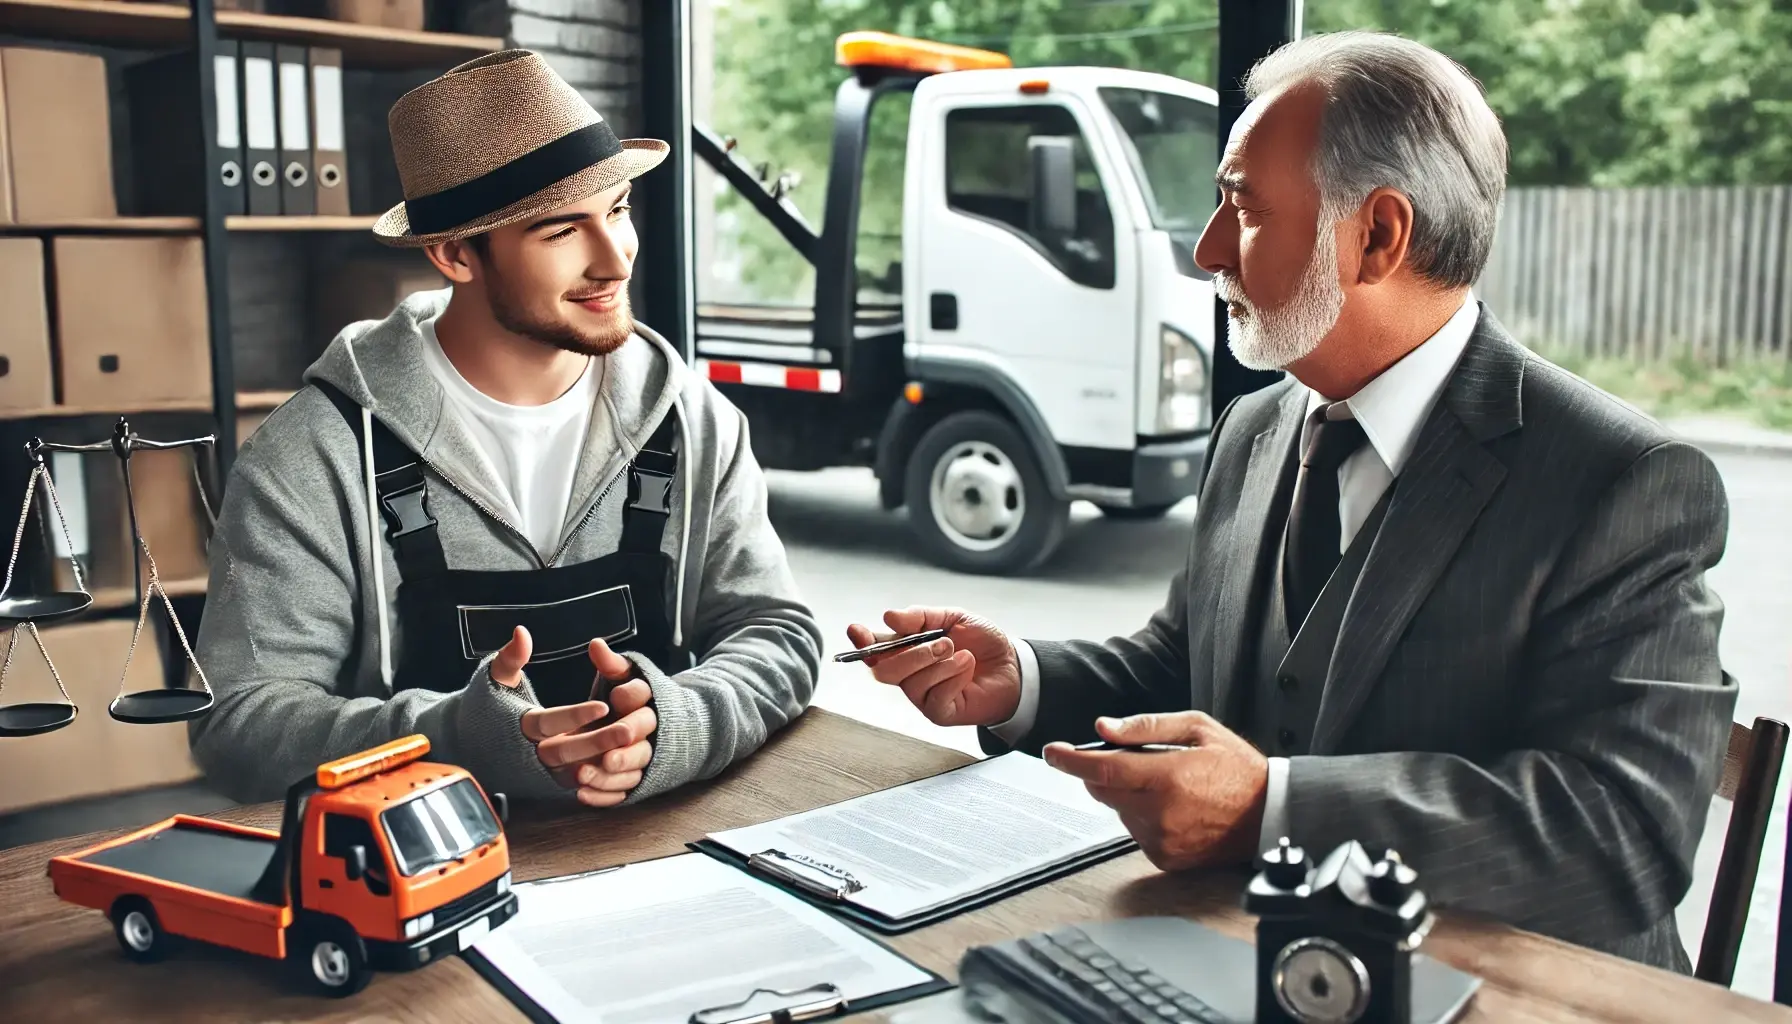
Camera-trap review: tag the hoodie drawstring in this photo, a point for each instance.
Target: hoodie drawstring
(684, 536)
(379, 554)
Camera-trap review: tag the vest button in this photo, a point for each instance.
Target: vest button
(1286, 738)
(1288, 684)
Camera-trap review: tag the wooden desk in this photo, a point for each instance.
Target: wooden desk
(60, 962)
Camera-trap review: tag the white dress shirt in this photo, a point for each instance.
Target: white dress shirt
(1392, 409)
(533, 451)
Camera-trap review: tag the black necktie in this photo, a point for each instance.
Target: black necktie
(1314, 534)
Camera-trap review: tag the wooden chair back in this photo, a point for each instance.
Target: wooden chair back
(1751, 774)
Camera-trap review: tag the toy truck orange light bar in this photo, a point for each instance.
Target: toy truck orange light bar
(368, 763)
(883, 50)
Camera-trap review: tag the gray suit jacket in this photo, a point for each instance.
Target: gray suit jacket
(1525, 698)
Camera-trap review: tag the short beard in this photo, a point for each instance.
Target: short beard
(516, 318)
(1273, 339)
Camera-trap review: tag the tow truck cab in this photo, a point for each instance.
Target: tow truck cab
(402, 850)
(1046, 335)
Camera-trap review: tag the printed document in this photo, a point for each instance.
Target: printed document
(655, 942)
(935, 842)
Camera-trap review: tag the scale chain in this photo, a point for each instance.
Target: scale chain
(155, 587)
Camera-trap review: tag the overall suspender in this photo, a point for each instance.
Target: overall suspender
(403, 491)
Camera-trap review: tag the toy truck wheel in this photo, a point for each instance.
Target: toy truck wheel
(333, 959)
(139, 930)
(977, 499)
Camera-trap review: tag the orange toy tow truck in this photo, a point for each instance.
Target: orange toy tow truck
(382, 862)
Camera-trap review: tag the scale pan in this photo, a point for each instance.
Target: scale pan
(31, 719)
(154, 707)
(41, 607)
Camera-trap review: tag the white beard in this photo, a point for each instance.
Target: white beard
(1271, 339)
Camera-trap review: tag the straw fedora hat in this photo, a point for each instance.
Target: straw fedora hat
(495, 141)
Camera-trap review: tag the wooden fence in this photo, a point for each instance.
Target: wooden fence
(1646, 273)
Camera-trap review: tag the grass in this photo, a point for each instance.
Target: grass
(1757, 392)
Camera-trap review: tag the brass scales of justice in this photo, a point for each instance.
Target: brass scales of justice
(26, 610)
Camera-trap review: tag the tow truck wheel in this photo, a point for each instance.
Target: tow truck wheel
(977, 498)
(139, 930)
(334, 959)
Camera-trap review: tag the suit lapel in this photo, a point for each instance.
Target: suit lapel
(1441, 491)
(1256, 530)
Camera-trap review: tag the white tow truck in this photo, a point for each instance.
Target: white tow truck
(1046, 335)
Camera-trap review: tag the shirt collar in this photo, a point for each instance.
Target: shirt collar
(1394, 406)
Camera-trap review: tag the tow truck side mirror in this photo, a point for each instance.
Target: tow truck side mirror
(1053, 184)
(357, 863)
(502, 804)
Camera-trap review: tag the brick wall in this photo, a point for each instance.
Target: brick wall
(594, 44)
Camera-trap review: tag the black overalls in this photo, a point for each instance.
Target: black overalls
(453, 618)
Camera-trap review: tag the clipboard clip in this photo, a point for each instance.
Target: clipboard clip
(807, 873)
(826, 1000)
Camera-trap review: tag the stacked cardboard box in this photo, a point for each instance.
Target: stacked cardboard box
(56, 138)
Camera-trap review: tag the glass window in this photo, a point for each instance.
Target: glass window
(343, 833)
(988, 175)
(439, 826)
(1174, 152)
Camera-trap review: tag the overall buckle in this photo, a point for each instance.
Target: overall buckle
(407, 510)
(649, 491)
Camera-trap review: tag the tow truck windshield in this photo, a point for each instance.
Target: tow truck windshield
(1173, 150)
(439, 826)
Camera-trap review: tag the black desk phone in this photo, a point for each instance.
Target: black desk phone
(1335, 945)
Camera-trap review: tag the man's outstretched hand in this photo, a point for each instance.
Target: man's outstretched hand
(604, 762)
(968, 677)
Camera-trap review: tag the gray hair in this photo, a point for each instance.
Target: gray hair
(1401, 115)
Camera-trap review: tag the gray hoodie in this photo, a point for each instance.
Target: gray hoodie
(301, 634)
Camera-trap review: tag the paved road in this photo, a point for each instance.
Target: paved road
(853, 560)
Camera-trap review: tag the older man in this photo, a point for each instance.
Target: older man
(1441, 595)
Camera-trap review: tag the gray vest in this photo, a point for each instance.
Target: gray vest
(1291, 671)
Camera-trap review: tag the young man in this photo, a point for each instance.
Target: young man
(506, 516)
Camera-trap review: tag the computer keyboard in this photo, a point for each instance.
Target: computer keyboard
(1126, 991)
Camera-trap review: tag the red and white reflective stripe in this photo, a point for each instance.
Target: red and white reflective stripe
(770, 375)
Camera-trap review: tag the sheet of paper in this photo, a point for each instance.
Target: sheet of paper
(938, 840)
(654, 942)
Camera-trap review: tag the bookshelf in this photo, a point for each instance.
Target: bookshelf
(158, 25)
(185, 225)
(196, 26)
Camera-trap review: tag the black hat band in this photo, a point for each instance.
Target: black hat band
(520, 178)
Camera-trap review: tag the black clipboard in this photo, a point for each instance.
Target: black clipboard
(818, 1002)
(835, 900)
(838, 904)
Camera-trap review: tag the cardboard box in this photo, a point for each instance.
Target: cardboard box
(131, 325)
(26, 380)
(387, 13)
(58, 135)
(169, 515)
(95, 755)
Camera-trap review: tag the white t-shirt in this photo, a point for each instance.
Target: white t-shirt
(533, 450)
